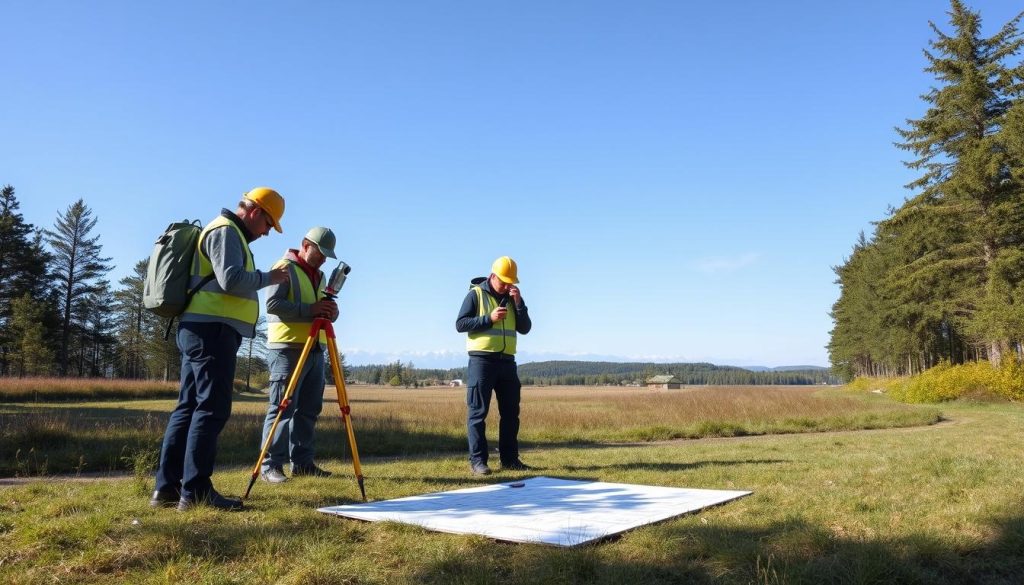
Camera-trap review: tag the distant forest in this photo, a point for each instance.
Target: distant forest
(577, 373)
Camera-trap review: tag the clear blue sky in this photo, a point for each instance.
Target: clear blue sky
(675, 179)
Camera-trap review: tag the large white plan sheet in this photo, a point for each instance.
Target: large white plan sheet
(561, 512)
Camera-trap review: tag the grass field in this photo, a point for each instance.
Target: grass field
(927, 504)
(47, 438)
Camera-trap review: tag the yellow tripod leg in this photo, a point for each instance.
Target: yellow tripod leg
(282, 406)
(339, 383)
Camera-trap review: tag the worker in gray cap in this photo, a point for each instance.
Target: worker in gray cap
(291, 308)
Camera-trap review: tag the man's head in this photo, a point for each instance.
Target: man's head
(318, 246)
(260, 210)
(504, 273)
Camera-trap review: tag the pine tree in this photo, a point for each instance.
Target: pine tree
(31, 355)
(77, 265)
(23, 264)
(129, 316)
(97, 341)
(966, 215)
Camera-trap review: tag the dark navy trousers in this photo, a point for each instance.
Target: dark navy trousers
(500, 376)
(208, 359)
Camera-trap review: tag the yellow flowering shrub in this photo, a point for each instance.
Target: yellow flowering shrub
(945, 382)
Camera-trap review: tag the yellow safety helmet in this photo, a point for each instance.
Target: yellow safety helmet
(505, 268)
(270, 201)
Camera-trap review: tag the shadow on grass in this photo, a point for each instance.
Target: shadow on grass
(679, 550)
(671, 552)
(790, 552)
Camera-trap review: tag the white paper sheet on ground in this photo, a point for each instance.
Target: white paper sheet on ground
(546, 510)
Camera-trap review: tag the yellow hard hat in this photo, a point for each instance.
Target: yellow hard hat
(270, 201)
(505, 268)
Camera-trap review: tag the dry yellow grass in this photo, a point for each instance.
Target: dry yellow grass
(52, 389)
(617, 413)
(99, 436)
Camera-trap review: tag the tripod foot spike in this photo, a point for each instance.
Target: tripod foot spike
(251, 483)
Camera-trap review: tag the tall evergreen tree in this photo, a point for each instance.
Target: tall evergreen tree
(129, 323)
(966, 214)
(142, 351)
(77, 266)
(30, 355)
(98, 341)
(23, 264)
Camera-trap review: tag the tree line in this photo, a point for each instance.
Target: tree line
(580, 373)
(60, 315)
(942, 276)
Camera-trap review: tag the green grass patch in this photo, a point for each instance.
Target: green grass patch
(930, 504)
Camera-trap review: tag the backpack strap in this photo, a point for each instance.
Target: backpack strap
(188, 299)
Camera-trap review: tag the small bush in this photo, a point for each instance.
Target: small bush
(871, 384)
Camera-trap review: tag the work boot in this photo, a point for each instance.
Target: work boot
(478, 468)
(516, 465)
(212, 499)
(273, 475)
(309, 469)
(164, 499)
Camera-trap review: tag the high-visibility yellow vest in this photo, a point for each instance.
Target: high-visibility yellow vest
(501, 337)
(295, 331)
(214, 304)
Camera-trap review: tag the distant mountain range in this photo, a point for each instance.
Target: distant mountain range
(457, 359)
(583, 372)
(783, 368)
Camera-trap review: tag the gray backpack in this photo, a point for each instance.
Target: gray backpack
(165, 291)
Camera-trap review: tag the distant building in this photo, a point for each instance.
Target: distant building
(455, 382)
(666, 382)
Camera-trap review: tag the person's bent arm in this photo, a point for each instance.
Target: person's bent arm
(227, 255)
(468, 321)
(523, 322)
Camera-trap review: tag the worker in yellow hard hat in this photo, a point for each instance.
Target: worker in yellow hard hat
(223, 310)
(492, 315)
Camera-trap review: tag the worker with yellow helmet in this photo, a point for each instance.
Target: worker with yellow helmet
(223, 311)
(491, 329)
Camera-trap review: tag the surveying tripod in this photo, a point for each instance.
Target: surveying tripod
(339, 382)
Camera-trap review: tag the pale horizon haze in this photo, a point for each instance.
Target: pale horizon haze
(675, 180)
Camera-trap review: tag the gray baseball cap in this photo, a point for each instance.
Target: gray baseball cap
(324, 239)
